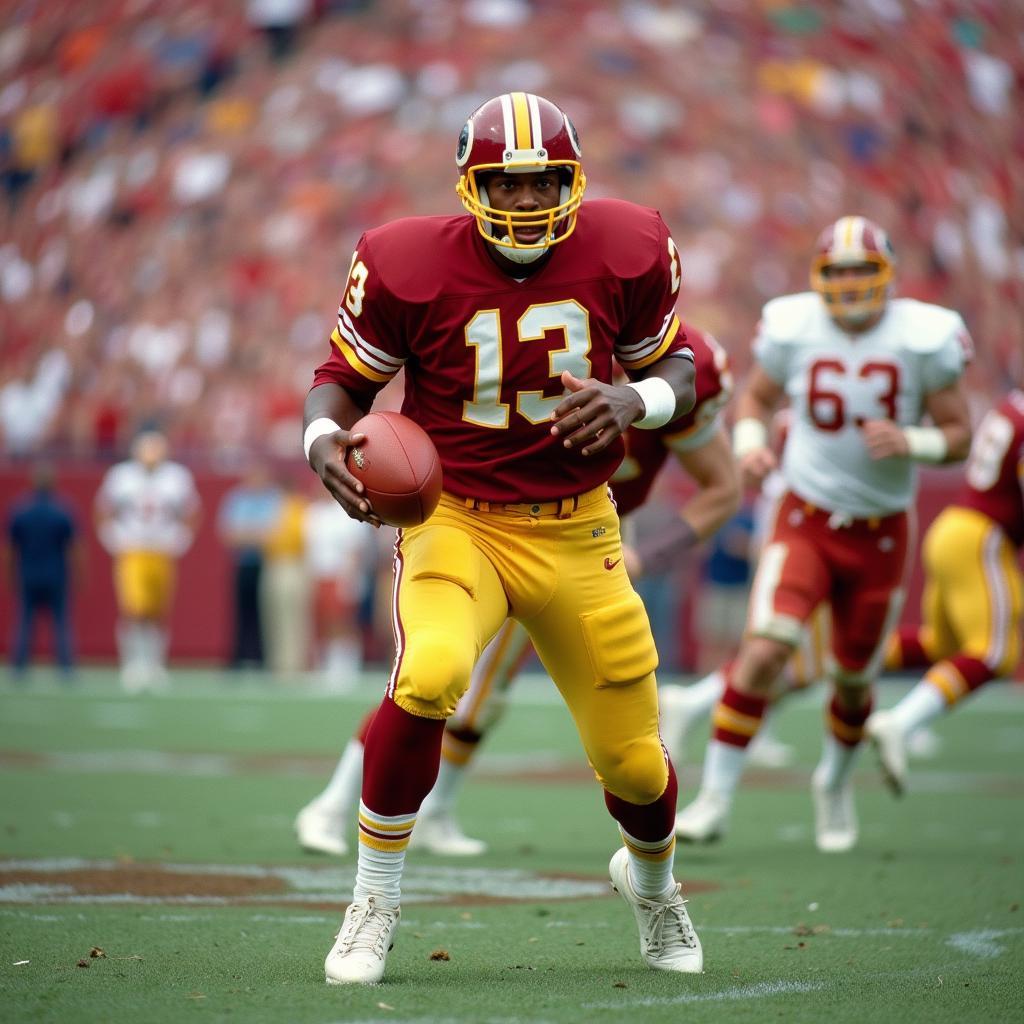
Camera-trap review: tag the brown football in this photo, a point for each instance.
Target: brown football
(399, 467)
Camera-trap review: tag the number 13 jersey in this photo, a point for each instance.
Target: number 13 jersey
(836, 381)
(483, 352)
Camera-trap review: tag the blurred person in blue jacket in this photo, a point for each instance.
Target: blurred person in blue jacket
(43, 543)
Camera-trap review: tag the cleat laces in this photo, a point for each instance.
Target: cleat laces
(668, 923)
(366, 929)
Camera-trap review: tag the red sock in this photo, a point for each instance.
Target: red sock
(400, 760)
(738, 716)
(364, 726)
(847, 724)
(647, 822)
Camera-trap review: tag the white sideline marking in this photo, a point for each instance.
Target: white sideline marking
(762, 990)
(981, 943)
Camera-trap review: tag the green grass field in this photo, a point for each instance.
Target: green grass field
(158, 830)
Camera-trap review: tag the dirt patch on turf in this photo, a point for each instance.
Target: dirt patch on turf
(147, 880)
(38, 882)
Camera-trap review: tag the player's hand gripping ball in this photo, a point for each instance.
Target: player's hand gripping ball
(399, 467)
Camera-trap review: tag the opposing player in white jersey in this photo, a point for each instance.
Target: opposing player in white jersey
(146, 513)
(860, 370)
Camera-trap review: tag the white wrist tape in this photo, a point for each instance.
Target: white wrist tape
(659, 402)
(320, 426)
(926, 444)
(748, 435)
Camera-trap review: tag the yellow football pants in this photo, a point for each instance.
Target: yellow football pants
(461, 574)
(973, 598)
(144, 583)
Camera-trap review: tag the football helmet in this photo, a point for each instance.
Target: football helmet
(853, 242)
(519, 132)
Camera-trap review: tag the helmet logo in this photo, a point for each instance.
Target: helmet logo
(465, 141)
(573, 137)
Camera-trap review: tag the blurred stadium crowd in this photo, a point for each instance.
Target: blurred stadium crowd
(183, 183)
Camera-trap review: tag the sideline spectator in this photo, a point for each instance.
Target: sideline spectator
(43, 539)
(284, 586)
(247, 515)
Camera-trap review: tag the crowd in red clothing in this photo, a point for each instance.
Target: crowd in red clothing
(181, 185)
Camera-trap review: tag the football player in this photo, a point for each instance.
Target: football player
(860, 370)
(973, 600)
(147, 509)
(507, 324)
(699, 443)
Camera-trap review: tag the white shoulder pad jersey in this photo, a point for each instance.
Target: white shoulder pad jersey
(148, 509)
(836, 381)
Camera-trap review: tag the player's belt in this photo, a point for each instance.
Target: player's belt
(562, 508)
(840, 520)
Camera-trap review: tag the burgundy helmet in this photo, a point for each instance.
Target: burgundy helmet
(524, 133)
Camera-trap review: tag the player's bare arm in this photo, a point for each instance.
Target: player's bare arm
(327, 452)
(594, 414)
(950, 415)
(712, 469)
(760, 397)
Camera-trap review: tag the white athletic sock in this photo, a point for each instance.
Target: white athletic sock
(919, 707)
(650, 864)
(130, 644)
(723, 766)
(379, 871)
(341, 794)
(441, 799)
(837, 761)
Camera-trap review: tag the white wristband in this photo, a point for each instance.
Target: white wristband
(926, 444)
(320, 426)
(659, 402)
(748, 435)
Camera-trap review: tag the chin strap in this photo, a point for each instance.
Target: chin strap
(517, 255)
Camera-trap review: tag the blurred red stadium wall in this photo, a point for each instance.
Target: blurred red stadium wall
(201, 624)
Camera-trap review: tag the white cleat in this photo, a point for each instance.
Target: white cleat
(765, 751)
(886, 735)
(667, 939)
(923, 744)
(679, 711)
(361, 949)
(705, 820)
(835, 818)
(441, 834)
(320, 832)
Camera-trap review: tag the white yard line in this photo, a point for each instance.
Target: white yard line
(762, 990)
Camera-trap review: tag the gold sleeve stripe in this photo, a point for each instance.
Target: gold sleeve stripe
(355, 362)
(735, 721)
(658, 352)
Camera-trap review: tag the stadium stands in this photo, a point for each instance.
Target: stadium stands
(181, 185)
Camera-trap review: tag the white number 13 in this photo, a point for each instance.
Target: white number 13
(483, 332)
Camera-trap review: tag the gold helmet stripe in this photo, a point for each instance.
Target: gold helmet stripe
(521, 115)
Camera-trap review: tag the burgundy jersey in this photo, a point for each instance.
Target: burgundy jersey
(995, 468)
(646, 450)
(483, 352)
